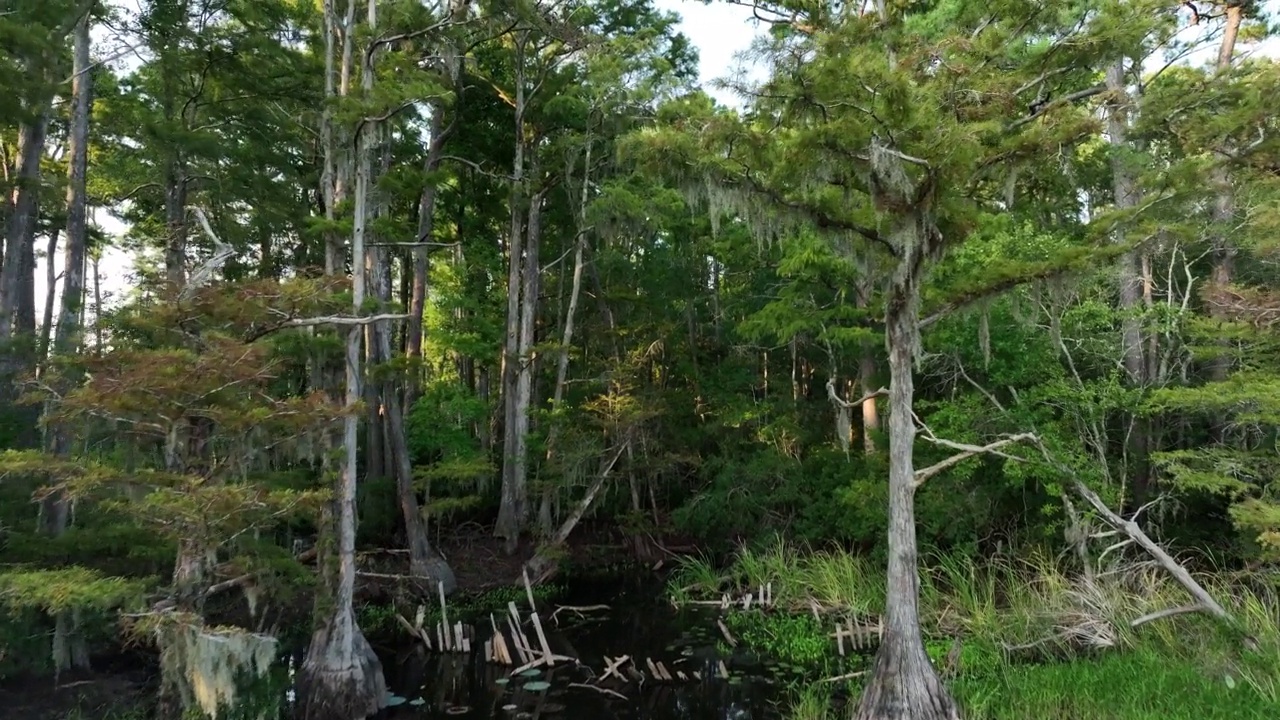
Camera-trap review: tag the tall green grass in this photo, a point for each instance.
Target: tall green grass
(1039, 640)
(1141, 685)
(1010, 603)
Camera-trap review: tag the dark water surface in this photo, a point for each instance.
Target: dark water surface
(640, 623)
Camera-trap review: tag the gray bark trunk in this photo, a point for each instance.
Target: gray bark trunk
(566, 339)
(20, 234)
(1223, 212)
(50, 297)
(1130, 275)
(67, 339)
(514, 504)
(69, 648)
(904, 685)
(341, 678)
(332, 241)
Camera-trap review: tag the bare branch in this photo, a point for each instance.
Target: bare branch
(204, 273)
(323, 320)
(1168, 612)
(831, 393)
(343, 320)
(968, 451)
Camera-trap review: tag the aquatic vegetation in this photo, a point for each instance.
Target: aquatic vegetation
(797, 639)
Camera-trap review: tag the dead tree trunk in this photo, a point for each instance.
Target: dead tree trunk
(543, 565)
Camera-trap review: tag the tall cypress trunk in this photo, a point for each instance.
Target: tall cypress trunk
(904, 685)
(518, 433)
(566, 338)
(70, 650)
(1127, 195)
(332, 241)
(50, 297)
(20, 235)
(1223, 210)
(341, 677)
(514, 504)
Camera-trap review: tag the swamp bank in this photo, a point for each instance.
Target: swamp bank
(782, 633)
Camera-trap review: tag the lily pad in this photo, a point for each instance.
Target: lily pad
(395, 701)
(417, 701)
(531, 672)
(537, 685)
(502, 681)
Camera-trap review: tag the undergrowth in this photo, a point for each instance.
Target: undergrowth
(1022, 638)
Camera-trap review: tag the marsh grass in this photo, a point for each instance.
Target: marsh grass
(1038, 640)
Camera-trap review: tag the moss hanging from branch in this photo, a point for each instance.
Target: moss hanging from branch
(208, 666)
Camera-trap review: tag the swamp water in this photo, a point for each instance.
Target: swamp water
(640, 623)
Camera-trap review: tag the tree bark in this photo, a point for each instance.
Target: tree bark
(70, 649)
(50, 297)
(341, 678)
(332, 241)
(513, 509)
(867, 376)
(20, 234)
(67, 340)
(566, 339)
(904, 685)
(1127, 195)
(1223, 210)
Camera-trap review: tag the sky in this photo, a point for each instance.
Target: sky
(718, 30)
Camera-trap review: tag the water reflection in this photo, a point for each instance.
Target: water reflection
(640, 624)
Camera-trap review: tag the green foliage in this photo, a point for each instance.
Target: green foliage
(796, 639)
(72, 588)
